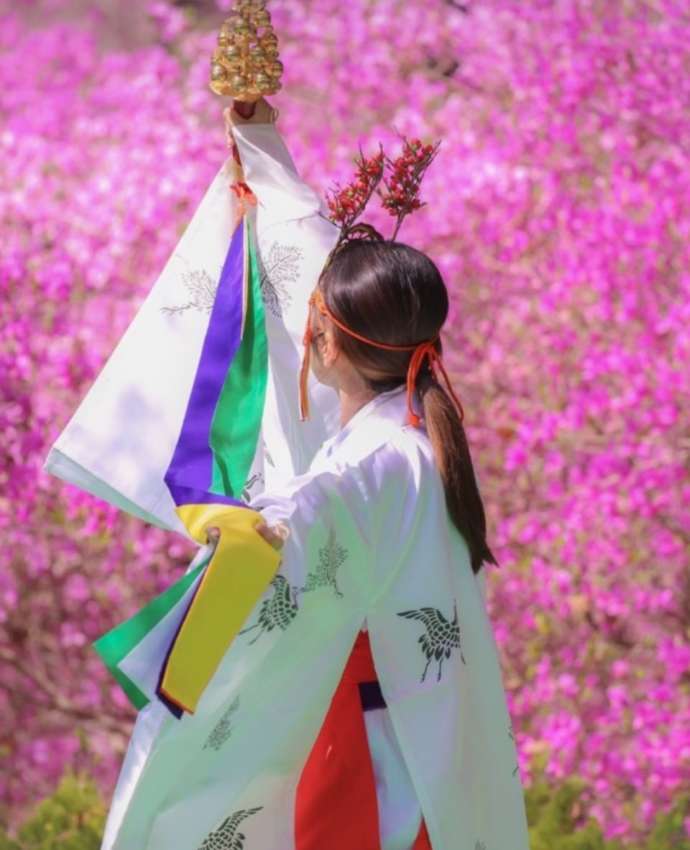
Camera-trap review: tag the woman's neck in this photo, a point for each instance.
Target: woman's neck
(353, 399)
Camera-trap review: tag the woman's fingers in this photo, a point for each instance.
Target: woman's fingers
(263, 113)
(275, 535)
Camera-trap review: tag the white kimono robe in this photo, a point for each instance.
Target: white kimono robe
(370, 544)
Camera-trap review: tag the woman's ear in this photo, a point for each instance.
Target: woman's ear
(328, 350)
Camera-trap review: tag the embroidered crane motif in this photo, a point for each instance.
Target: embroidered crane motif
(280, 609)
(221, 731)
(440, 636)
(281, 266)
(331, 556)
(226, 836)
(202, 290)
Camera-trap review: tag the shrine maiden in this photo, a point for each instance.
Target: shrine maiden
(361, 704)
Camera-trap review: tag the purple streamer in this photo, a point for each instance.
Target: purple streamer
(190, 472)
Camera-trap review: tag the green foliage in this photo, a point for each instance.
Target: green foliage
(6, 843)
(554, 818)
(557, 821)
(669, 830)
(72, 818)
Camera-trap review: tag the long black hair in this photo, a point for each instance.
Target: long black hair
(393, 293)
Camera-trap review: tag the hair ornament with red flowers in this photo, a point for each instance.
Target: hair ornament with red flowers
(396, 181)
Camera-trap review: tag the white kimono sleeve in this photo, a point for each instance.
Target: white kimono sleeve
(344, 522)
(282, 669)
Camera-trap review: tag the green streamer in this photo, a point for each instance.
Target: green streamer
(237, 419)
(116, 644)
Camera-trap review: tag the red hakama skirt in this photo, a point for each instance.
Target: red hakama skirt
(336, 804)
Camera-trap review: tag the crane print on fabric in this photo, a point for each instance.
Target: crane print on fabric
(331, 556)
(226, 837)
(440, 636)
(221, 731)
(279, 610)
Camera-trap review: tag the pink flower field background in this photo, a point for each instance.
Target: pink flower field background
(558, 209)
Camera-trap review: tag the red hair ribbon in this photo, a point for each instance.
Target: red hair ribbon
(422, 350)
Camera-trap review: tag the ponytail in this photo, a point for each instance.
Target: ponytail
(452, 453)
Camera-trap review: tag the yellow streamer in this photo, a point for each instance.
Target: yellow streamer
(239, 572)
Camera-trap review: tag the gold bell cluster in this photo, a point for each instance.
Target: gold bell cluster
(245, 64)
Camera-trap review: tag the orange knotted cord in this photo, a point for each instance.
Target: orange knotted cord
(304, 371)
(421, 350)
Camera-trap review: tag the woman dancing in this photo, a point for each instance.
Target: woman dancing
(361, 705)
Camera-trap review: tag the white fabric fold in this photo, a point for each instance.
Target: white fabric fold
(120, 440)
(370, 541)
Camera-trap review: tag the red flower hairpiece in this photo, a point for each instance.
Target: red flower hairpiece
(400, 195)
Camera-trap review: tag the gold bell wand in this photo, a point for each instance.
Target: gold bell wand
(245, 64)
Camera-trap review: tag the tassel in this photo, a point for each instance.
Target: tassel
(427, 349)
(304, 373)
(424, 349)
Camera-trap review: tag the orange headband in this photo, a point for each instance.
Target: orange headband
(420, 349)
